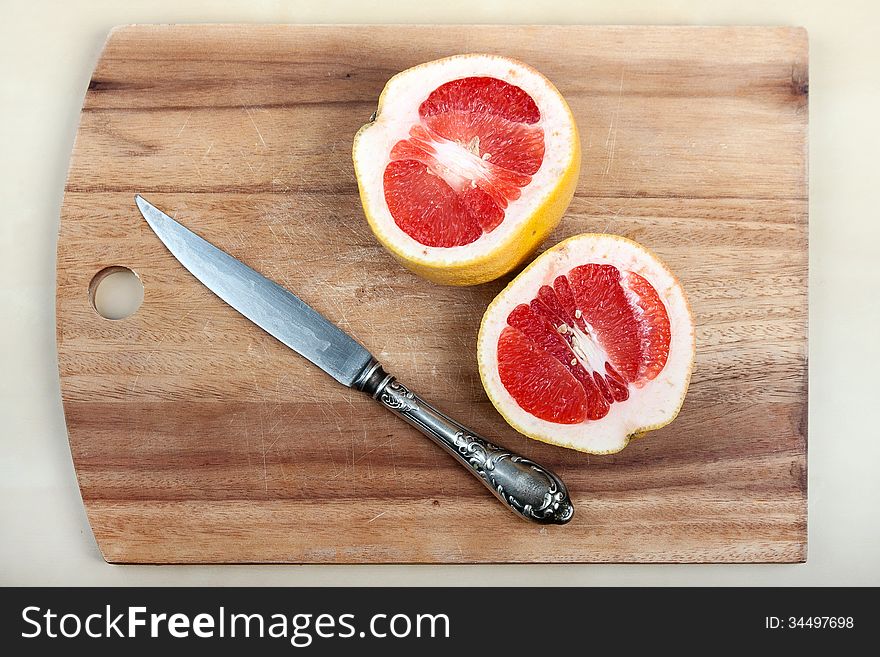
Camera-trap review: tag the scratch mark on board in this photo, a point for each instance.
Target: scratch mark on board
(361, 458)
(611, 139)
(180, 132)
(254, 123)
(263, 449)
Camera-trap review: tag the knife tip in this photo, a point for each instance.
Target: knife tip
(148, 211)
(144, 206)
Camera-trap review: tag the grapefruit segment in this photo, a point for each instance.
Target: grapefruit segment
(469, 164)
(545, 387)
(439, 216)
(654, 325)
(600, 353)
(612, 332)
(482, 95)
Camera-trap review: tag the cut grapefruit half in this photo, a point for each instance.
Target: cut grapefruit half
(467, 165)
(590, 346)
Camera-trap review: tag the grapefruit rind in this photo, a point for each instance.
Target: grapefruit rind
(528, 220)
(650, 407)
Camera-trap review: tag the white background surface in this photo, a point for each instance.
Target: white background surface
(47, 51)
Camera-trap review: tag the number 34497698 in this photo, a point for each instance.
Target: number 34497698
(809, 622)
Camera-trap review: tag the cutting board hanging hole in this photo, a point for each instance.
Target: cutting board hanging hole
(116, 292)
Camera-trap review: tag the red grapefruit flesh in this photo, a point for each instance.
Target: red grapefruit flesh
(475, 146)
(545, 386)
(467, 165)
(654, 326)
(591, 344)
(599, 337)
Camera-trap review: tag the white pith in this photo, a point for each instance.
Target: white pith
(652, 405)
(399, 112)
(586, 348)
(458, 166)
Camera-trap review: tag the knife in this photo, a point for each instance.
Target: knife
(527, 488)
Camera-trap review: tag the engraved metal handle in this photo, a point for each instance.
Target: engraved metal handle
(527, 488)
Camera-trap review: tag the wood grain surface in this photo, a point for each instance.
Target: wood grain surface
(198, 438)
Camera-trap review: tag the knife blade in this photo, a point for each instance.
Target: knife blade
(279, 312)
(527, 488)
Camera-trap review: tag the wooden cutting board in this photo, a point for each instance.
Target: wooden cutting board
(198, 438)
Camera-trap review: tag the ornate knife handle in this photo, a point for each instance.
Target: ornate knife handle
(528, 489)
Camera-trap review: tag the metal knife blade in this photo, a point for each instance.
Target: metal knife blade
(277, 311)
